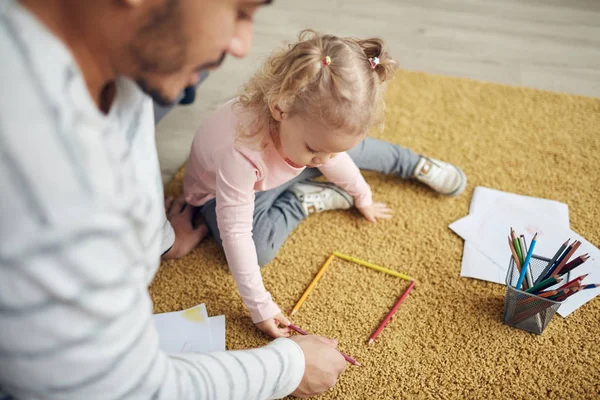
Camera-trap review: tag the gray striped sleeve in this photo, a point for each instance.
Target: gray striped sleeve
(102, 344)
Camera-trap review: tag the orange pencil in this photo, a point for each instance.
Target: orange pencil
(312, 284)
(531, 299)
(514, 254)
(568, 292)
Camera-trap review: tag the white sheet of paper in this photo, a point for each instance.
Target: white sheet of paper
(487, 232)
(477, 265)
(185, 331)
(217, 329)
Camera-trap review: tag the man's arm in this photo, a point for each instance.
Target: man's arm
(76, 323)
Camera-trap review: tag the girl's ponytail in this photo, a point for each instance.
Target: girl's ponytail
(383, 65)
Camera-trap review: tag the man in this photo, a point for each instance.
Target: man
(82, 217)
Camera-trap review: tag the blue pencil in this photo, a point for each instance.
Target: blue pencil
(525, 265)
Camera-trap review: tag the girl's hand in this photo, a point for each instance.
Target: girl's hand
(275, 327)
(376, 210)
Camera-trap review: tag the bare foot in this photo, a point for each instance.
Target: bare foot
(188, 233)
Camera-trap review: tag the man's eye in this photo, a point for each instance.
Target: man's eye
(244, 16)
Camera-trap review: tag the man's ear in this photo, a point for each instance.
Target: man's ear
(277, 113)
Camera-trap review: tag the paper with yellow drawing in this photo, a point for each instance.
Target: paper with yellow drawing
(190, 330)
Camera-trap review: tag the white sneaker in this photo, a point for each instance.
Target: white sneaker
(318, 197)
(444, 178)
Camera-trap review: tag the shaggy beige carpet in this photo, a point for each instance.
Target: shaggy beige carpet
(447, 340)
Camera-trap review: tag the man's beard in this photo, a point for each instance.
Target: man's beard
(159, 47)
(157, 96)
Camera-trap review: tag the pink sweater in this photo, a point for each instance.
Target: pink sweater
(219, 168)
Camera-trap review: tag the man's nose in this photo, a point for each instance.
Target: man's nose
(241, 42)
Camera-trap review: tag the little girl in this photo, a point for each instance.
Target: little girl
(305, 113)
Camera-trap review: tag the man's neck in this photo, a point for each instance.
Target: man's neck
(67, 23)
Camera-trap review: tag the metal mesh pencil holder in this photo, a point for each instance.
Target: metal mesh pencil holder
(524, 310)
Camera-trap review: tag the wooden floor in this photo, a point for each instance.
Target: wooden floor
(545, 44)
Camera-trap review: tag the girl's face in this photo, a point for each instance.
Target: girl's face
(309, 143)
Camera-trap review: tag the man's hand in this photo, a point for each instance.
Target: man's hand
(187, 237)
(323, 365)
(275, 327)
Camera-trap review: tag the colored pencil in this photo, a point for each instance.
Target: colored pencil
(571, 291)
(568, 292)
(528, 282)
(565, 259)
(562, 257)
(517, 246)
(511, 245)
(548, 293)
(522, 316)
(591, 286)
(571, 265)
(546, 283)
(526, 263)
(562, 292)
(548, 268)
(531, 298)
(312, 284)
(573, 282)
(346, 356)
(391, 313)
(523, 245)
(372, 266)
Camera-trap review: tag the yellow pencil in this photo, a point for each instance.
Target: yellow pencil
(373, 266)
(313, 283)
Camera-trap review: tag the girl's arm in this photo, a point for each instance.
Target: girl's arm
(342, 171)
(236, 177)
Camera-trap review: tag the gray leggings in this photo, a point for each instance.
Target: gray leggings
(277, 212)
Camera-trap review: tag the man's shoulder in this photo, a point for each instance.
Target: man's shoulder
(34, 72)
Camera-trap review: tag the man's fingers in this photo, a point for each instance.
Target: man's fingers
(340, 361)
(331, 342)
(179, 205)
(168, 204)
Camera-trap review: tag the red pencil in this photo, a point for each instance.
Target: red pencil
(391, 313)
(573, 282)
(346, 356)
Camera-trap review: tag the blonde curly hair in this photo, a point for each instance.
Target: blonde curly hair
(346, 92)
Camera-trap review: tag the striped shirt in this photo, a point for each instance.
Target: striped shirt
(82, 227)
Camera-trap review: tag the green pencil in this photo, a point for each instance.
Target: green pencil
(546, 283)
(517, 245)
